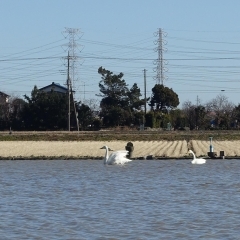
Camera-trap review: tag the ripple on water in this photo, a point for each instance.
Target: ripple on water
(141, 200)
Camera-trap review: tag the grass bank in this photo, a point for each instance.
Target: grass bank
(119, 135)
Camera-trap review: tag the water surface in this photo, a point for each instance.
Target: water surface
(83, 199)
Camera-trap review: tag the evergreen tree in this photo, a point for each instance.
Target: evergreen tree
(114, 93)
(163, 98)
(45, 111)
(119, 105)
(134, 98)
(85, 116)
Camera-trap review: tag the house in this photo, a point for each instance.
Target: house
(3, 98)
(55, 87)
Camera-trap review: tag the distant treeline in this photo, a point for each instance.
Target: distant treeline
(118, 106)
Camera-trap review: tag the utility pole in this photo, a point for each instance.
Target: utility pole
(69, 96)
(72, 45)
(83, 92)
(70, 92)
(198, 101)
(145, 90)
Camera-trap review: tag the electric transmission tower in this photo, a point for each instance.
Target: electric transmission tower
(73, 34)
(160, 62)
(72, 60)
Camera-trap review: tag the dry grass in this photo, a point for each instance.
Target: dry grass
(120, 135)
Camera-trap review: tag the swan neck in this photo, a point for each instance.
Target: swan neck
(194, 157)
(106, 156)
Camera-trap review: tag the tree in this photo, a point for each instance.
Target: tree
(163, 98)
(115, 103)
(4, 115)
(119, 105)
(223, 110)
(195, 115)
(200, 114)
(85, 116)
(113, 89)
(134, 98)
(16, 106)
(177, 117)
(93, 104)
(45, 111)
(236, 116)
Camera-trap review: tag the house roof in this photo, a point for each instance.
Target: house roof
(54, 85)
(3, 94)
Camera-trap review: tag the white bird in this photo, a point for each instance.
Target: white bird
(117, 157)
(196, 160)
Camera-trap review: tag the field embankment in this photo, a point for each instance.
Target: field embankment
(118, 135)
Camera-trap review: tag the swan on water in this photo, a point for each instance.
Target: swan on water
(196, 160)
(117, 157)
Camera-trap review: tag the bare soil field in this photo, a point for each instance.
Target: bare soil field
(91, 149)
(83, 145)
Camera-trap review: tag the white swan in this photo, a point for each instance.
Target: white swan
(196, 160)
(117, 157)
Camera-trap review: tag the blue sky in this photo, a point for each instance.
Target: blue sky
(201, 41)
